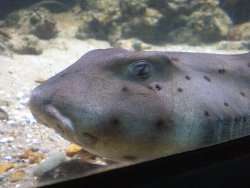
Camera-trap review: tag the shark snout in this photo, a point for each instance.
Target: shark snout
(42, 108)
(49, 115)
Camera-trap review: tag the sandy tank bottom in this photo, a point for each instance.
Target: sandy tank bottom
(23, 142)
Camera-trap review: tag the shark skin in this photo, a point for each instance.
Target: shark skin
(138, 106)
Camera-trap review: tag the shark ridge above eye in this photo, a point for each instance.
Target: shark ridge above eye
(157, 109)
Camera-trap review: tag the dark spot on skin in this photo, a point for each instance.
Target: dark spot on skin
(115, 122)
(188, 77)
(174, 59)
(129, 157)
(206, 78)
(124, 89)
(221, 71)
(242, 94)
(157, 87)
(225, 104)
(160, 123)
(180, 89)
(236, 119)
(244, 119)
(207, 113)
(248, 64)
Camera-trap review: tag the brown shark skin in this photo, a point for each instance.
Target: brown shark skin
(189, 101)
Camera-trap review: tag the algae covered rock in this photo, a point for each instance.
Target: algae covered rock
(205, 27)
(112, 20)
(37, 22)
(25, 44)
(100, 19)
(177, 21)
(28, 29)
(172, 21)
(240, 32)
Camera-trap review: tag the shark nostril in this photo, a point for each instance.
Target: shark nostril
(157, 87)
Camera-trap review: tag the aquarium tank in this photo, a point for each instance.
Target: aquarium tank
(96, 115)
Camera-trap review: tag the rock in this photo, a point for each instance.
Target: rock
(42, 25)
(28, 153)
(202, 27)
(233, 45)
(177, 21)
(5, 167)
(33, 155)
(7, 139)
(40, 80)
(26, 44)
(3, 115)
(100, 20)
(12, 123)
(39, 23)
(17, 176)
(4, 102)
(72, 150)
(48, 164)
(152, 17)
(36, 158)
(66, 170)
(132, 44)
(26, 27)
(240, 32)
(7, 158)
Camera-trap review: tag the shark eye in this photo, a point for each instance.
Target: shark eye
(141, 69)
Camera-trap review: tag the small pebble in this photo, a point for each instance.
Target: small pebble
(35, 141)
(36, 158)
(11, 123)
(5, 167)
(4, 102)
(72, 150)
(28, 153)
(3, 115)
(33, 155)
(32, 121)
(46, 150)
(8, 158)
(19, 107)
(7, 139)
(20, 95)
(20, 161)
(24, 102)
(40, 80)
(17, 176)
(20, 146)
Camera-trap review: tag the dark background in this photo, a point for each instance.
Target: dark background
(225, 165)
